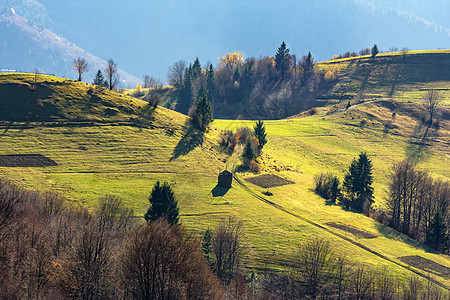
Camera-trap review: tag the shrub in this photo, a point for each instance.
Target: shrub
(327, 186)
(243, 134)
(363, 122)
(254, 166)
(227, 141)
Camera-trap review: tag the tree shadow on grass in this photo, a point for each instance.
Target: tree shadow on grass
(191, 139)
(393, 234)
(219, 191)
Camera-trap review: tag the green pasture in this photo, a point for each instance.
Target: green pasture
(126, 153)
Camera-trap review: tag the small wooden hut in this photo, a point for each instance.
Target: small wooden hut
(225, 179)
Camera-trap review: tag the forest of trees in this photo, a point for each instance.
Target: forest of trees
(247, 88)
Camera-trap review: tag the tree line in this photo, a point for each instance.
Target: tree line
(265, 86)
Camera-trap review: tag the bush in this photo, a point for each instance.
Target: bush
(327, 186)
(363, 122)
(243, 134)
(227, 141)
(254, 166)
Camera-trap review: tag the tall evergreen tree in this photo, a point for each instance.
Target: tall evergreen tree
(203, 112)
(308, 63)
(249, 152)
(260, 133)
(438, 237)
(358, 182)
(207, 244)
(211, 84)
(282, 59)
(196, 69)
(185, 95)
(374, 50)
(335, 190)
(100, 80)
(162, 204)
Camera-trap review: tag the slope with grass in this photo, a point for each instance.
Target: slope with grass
(97, 153)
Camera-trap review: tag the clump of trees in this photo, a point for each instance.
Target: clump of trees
(263, 86)
(418, 205)
(356, 190)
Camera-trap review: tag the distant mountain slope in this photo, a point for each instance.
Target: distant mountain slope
(27, 45)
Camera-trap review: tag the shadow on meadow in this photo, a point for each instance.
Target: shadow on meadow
(219, 191)
(192, 138)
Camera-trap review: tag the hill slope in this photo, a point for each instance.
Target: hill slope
(109, 154)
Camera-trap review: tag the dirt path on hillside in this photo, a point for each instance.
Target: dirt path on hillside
(364, 247)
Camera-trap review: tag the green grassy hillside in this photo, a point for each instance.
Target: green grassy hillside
(397, 75)
(98, 154)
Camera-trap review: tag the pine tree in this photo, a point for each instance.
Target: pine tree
(196, 69)
(203, 112)
(185, 95)
(249, 151)
(206, 244)
(335, 189)
(282, 60)
(260, 133)
(438, 237)
(211, 84)
(358, 182)
(374, 50)
(99, 79)
(308, 63)
(162, 204)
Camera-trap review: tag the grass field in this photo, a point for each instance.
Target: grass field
(114, 154)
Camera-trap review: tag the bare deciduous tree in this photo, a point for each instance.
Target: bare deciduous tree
(80, 65)
(314, 261)
(163, 261)
(228, 248)
(151, 82)
(175, 74)
(113, 214)
(112, 74)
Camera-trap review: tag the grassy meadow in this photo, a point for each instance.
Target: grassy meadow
(111, 152)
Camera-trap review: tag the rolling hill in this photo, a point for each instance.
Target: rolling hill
(103, 142)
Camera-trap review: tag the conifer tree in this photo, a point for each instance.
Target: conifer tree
(308, 63)
(374, 50)
(99, 79)
(206, 244)
(185, 95)
(335, 190)
(438, 237)
(249, 151)
(162, 204)
(282, 60)
(211, 84)
(203, 112)
(196, 69)
(358, 182)
(260, 133)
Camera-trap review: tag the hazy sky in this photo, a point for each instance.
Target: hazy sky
(146, 37)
